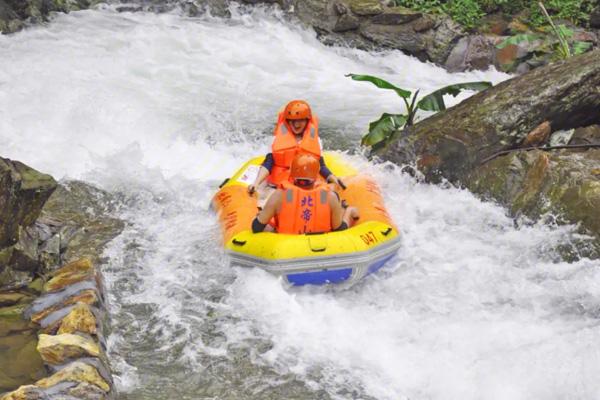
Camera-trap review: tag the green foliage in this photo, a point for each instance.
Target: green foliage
(381, 130)
(429, 6)
(468, 13)
(575, 11)
(560, 45)
(523, 37)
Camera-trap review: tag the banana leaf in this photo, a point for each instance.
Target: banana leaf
(523, 37)
(380, 83)
(380, 130)
(435, 101)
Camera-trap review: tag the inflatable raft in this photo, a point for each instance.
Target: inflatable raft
(334, 257)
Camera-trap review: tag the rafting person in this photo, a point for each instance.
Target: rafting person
(296, 132)
(302, 205)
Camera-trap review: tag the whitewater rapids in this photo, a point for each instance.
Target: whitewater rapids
(158, 109)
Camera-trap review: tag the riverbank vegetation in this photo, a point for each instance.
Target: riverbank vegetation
(470, 13)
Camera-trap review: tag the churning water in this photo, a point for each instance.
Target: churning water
(158, 109)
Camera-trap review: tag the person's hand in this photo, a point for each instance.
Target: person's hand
(251, 189)
(334, 179)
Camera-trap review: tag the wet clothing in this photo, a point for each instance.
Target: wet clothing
(304, 211)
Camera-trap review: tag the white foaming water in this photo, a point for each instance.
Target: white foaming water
(157, 108)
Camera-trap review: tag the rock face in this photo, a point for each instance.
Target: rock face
(534, 183)
(369, 24)
(51, 236)
(453, 143)
(458, 144)
(15, 14)
(23, 192)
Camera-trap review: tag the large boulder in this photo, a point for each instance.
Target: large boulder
(537, 183)
(481, 143)
(452, 143)
(23, 192)
(369, 24)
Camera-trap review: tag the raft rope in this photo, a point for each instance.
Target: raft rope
(548, 148)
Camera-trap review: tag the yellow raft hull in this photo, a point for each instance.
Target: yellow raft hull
(335, 257)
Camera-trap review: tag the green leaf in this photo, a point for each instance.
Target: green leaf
(380, 83)
(581, 47)
(381, 129)
(564, 31)
(435, 101)
(523, 37)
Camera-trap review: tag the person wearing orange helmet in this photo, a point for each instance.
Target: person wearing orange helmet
(302, 205)
(296, 132)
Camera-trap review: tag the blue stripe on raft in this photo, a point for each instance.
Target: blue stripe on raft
(376, 266)
(320, 277)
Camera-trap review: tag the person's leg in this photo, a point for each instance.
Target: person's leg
(264, 191)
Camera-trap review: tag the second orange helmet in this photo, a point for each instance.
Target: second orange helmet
(305, 166)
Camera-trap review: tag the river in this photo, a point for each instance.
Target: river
(159, 108)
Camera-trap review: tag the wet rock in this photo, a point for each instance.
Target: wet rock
(423, 24)
(60, 348)
(472, 52)
(80, 319)
(317, 13)
(81, 214)
(76, 372)
(595, 18)
(495, 24)
(346, 22)
(538, 136)
(442, 39)
(87, 391)
(508, 57)
(71, 273)
(535, 183)
(400, 37)
(12, 321)
(23, 192)
(88, 296)
(365, 7)
(11, 298)
(25, 252)
(396, 16)
(586, 135)
(563, 93)
(454, 143)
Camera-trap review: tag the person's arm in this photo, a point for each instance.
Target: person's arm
(264, 216)
(337, 212)
(263, 172)
(328, 175)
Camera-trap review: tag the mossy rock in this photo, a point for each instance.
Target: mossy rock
(537, 182)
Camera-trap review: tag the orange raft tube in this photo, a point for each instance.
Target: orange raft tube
(342, 257)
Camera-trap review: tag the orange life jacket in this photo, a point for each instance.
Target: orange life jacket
(304, 211)
(285, 147)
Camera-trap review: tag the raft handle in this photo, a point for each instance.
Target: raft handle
(238, 242)
(223, 183)
(386, 232)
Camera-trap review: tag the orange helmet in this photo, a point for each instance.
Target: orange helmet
(297, 109)
(305, 167)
